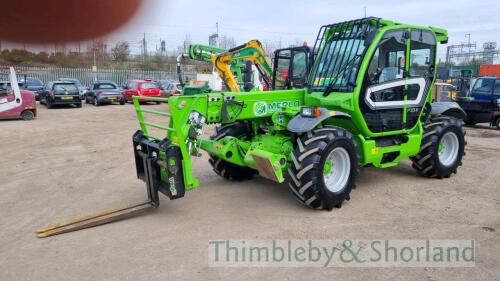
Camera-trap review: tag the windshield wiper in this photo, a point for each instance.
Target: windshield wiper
(331, 86)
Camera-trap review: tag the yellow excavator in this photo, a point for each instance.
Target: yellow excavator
(235, 66)
(253, 54)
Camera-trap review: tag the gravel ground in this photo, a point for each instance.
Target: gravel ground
(72, 161)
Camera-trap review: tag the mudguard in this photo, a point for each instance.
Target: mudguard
(448, 108)
(300, 124)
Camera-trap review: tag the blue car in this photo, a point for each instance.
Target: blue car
(486, 89)
(484, 99)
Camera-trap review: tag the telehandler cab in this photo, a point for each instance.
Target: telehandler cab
(368, 102)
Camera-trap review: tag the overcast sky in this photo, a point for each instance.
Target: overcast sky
(296, 21)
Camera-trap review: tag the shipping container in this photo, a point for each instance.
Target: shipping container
(489, 70)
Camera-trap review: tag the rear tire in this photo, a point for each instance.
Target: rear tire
(317, 178)
(27, 115)
(497, 123)
(442, 150)
(226, 169)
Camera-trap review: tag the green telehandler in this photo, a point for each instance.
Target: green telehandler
(367, 102)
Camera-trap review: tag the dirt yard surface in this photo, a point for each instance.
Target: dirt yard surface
(70, 162)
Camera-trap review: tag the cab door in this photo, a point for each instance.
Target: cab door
(398, 80)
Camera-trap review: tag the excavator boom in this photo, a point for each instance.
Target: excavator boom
(251, 51)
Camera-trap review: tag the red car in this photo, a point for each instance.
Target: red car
(14, 102)
(147, 88)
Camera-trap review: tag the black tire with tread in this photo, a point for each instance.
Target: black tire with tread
(497, 123)
(28, 115)
(427, 162)
(226, 169)
(305, 174)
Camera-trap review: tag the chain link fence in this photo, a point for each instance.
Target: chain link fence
(87, 76)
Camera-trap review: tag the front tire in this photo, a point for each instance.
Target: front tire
(226, 169)
(442, 150)
(27, 115)
(324, 168)
(49, 104)
(497, 123)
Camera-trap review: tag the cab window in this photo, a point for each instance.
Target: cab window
(388, 63)
(484, 86)
(423, 53)
(282, 69)
(496, 91)
(299, 66)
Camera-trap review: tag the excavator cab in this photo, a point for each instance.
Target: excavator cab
(291, 67)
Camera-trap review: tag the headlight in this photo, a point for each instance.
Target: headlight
(196, 119)
(310, 112)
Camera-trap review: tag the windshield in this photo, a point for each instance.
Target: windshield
(74, 81)
(32, 82)
(65, 87)
(163, 84)
(107, 86)
(484, 85)
(340, 51)
(149, 86)
(5, 86)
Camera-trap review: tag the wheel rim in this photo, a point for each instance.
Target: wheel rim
(448, 149)
(337, 169)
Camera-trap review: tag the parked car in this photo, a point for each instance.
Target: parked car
(82, 89)
(482, 101)
(169, 88)
(146, 88)
(16, 104)
(104, 92)
(60, 92)
(33, 84)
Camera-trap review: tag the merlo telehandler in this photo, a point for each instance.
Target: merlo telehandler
(367, 102)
